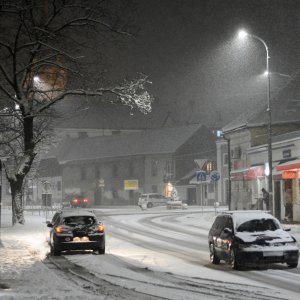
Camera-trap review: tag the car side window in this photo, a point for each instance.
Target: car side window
(55, 217)
(230, 224)
(219, 224)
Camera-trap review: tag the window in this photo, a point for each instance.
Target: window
(82, 173)
(82, 134)
(115, 171)
(154, 188)
(97, 172)
(169, 167)
(154, 169)
(58, 185)
(131, 169)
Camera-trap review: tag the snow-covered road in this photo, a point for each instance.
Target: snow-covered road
(152, 254)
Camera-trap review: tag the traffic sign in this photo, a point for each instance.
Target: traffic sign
(201, 176)
(214, 175)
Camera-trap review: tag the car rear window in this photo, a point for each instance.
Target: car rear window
(79, 220)
(258, 225)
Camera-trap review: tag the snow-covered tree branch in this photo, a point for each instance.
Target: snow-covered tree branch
(47, 52)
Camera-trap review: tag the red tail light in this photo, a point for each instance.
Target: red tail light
(100, 228)
(58, 229)
(75, 200)
(85, 200)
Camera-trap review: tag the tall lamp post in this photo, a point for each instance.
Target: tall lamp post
(269, 171)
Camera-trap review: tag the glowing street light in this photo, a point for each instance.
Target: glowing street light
(242, 35)
(276, 73)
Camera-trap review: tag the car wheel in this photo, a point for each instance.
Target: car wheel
(54, 251)
(233, 260)
(101, 250)
(292, 264)
(214, 259)
(149, 204)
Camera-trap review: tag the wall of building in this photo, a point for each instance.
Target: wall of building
(84, 178)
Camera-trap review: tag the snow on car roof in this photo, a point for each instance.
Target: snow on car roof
(77, 212)
(241, 216)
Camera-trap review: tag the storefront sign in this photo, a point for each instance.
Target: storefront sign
(287, 153)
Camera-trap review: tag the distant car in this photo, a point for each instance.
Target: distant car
(176, 204)
(76, 230)
(152, 199)
(79, 201)
(251, 238)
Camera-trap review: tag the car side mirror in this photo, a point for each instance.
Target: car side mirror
(287, 229)
(228, 230)
(49, 224)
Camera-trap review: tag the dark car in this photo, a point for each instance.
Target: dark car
(251, 238)
(78, 201)
(76, 230)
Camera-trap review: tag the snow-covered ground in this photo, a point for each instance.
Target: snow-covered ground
(23, 275)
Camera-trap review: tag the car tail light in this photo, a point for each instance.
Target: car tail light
(75, 200)
(85, 200)
(58, 229)
(100, 228)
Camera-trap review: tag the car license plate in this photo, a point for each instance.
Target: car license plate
(81, 239)
(273, 253)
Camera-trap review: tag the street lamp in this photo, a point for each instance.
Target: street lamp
(276, 73)
(243, 34)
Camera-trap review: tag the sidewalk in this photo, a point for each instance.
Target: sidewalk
(22, 273)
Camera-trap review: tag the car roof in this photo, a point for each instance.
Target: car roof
(77, 212)
(241, 216)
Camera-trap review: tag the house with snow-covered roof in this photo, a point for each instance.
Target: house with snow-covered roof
(115, 169)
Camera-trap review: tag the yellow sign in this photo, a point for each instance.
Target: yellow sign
(132, 184)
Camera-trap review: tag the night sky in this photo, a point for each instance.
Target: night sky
(199, 69)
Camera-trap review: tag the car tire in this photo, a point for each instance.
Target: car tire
(101, 251)
(292, 264)
(149, 204)
(54, 251)
(234, 264)
(214, 259)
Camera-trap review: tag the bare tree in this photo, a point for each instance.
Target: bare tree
(50, 50)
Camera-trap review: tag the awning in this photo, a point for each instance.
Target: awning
(248, 174)
(289, 166)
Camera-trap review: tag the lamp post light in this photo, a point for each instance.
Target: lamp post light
(276, 208)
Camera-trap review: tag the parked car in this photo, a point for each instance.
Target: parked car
(176, 204)
(76, 230)
(251, 238)
(152, 199)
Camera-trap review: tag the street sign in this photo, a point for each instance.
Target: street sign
(131, 185)
(214, 175)
(101, 182)
(201, 176)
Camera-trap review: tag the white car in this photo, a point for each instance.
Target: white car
(176, 204)
(152, 199)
